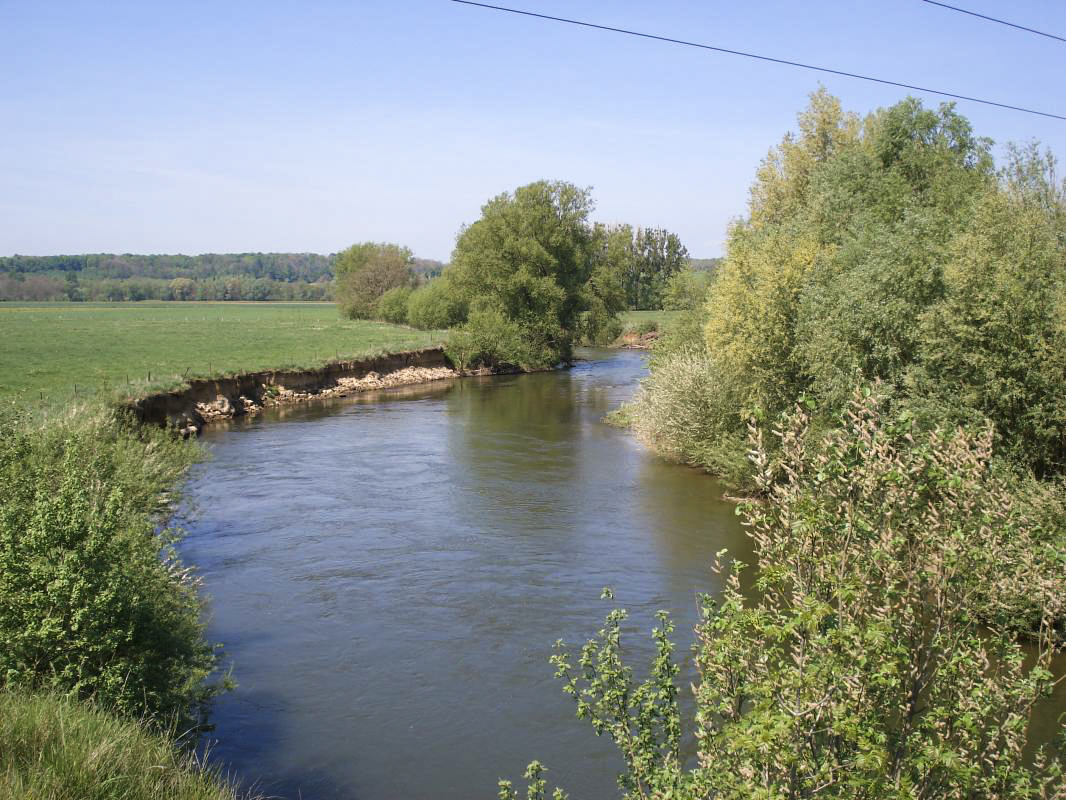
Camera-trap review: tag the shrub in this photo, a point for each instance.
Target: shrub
(365, 272)
(863, 663)
(488, 339)
(675, 413)
(647, 326)
(435, 306)
(392, 306)
(93, 598)
(601, 334)
(686, 290)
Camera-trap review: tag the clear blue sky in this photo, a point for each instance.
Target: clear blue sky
(266, 126)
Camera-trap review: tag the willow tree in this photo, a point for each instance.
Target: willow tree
(529, 271)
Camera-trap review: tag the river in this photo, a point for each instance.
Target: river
(388, 576)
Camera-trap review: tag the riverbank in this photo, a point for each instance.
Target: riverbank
(189, 407)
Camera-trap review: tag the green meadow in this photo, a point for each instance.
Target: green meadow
(52, 354)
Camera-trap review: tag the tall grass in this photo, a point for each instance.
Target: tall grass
(56, 748)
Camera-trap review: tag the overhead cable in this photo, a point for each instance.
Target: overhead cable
(994, 19)
(758, 57)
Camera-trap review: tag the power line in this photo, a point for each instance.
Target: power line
(760, 58)
(993, 19)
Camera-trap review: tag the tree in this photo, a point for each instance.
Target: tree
(182, 288)
(364, 272)
(525, 267)
(864, 662)
(644, 259)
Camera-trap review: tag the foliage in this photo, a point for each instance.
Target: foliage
(436, 306)
(528, 271)
(51, 352)
(211, 276)
(644, 259)
(93, 598)
(675, 413)
(489, 339)
(888, 249)
(861, 663)
(686, 290)
(56, 747)
(392, 306)
(364, 272)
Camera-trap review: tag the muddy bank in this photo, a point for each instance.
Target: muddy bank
(205, 400)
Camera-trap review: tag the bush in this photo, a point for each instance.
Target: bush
(647, 326)
(365, 272)
(93, 598)
(488, 339)
(864, 663)
(686, 290)
(435, 306)
(601, 334)
(56, 747)
(675, 413)
(392, 306)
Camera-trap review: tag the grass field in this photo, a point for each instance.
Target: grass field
(631, 319)
(52, 354)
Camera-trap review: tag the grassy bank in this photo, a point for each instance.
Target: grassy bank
(52, 351)
(54, 748)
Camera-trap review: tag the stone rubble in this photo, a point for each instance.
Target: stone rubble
(278, 395)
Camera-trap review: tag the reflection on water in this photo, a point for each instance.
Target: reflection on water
(388, 576)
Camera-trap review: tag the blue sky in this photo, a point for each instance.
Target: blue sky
(259, 126)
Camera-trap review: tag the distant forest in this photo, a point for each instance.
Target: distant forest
(106, 277)
(212, 276)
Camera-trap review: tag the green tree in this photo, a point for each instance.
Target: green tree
(525, 268)
(364, 272)
(436, 306)
(182, 288)
(643, 259)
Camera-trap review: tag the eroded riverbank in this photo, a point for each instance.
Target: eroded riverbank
(190, 407)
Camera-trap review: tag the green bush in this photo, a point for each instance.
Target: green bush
(601, 334)
(93, 598)
(392, 306)
(488, 339)
(435, 306)
(57, 748)
(364, 272)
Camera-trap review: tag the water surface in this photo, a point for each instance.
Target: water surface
(388, 577)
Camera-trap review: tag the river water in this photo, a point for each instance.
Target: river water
(388, 576)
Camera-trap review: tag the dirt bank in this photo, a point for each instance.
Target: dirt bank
(202, 401)
(632, 340)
